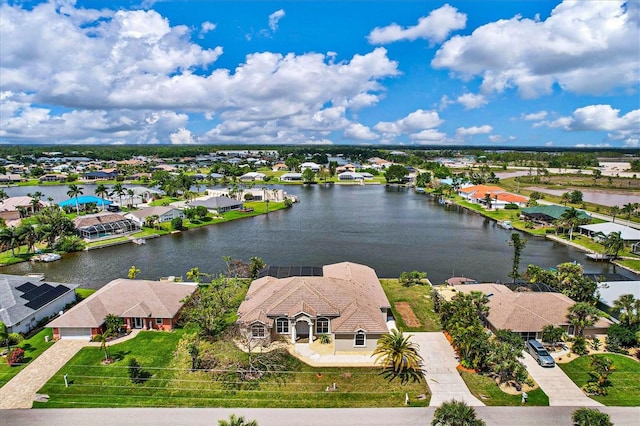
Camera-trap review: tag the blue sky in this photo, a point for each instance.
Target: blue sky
(420, 73)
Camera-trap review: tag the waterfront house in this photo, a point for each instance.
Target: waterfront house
(149, 305)
(252, 176)
(23, 205)
(310, 165)
(343, 300)
(164, 214)
(627, 234)
(24, 301)
(546, 215)
(350, 176)
(291, 177)
(10, 178)
(103, 225)
(100, 175)
(218, 205)
(50, 177)
(525, 312)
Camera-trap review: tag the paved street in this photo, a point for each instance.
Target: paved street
(558, 386)
(19, 391)
(441, 374)
(502, 416)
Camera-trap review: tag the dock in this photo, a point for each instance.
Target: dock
(598, 257)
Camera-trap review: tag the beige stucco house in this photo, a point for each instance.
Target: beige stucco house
(342, 300)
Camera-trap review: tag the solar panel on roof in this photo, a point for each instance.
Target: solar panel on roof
(37, 292)
(26, 287)
(44, 298)
(306, 271)
(291, 271)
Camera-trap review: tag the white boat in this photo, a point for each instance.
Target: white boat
(505, 224)
(48, 257)
(139, 241)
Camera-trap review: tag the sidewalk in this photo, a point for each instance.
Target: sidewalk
(20, 390)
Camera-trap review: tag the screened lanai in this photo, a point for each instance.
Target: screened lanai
(103, 225)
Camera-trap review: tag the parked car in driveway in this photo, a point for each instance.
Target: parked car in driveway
(540, 354)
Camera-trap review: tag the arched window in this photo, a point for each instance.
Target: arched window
(282, 326)
(257, 331)
(360, 339)
(322, 326)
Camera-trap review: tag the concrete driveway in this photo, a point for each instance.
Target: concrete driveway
(440, 370)
(557, 385)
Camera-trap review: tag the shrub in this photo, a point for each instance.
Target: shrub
(593, 388)
(16, 357)
(325, 339)
(135, 371)
(176, 223)
(511, 206)
(590, 417)
(580, 346)
(69, 243)
(625, 336)
(529, 225)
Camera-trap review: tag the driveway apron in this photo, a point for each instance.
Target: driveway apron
(21, 389)
(557, 385)
(440, 370)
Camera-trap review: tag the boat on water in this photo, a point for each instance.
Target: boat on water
(47, 257)
(505, 224)
(139, 241)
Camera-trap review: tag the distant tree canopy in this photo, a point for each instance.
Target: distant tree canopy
(396, 173)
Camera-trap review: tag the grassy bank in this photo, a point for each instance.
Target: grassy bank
(172, 384)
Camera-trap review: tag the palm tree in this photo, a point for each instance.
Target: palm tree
(3, 195)
(455, 413)
(624, 306)
(571, 218)
(237, 421)
(118, 190)
(488, 200)
(566, 197)
(131, 194)
(35, 200)
(582, 315)
(400, 357)
(613, 243)
(614, 211)
(10, 239)
(28, 234)
(628, 209)
(101, 191)
(73, 192)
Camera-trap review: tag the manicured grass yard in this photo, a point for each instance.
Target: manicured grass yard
(625, 386)
(486, 390)
(33, 347)
(419, 298)
(172, 385)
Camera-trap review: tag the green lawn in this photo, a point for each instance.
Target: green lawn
(83, 293)
(486, 390)
(33, 347)
(172, 385)
(625, 386)
(419, 298)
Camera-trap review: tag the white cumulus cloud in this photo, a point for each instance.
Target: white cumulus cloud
(585, 47)
(434, 27)
(472, 101)
(473, 130)
(205, 28)
(360, 132)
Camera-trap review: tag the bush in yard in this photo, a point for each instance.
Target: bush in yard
(511, 206)
(579, 346)
(625, 336)
(16, 357)
(590, 417)
(176, 223)
(135, 371)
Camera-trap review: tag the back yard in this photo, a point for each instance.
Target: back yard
(412, 306)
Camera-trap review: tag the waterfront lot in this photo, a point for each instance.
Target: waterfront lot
(172, 384)
(418, 298)
(625, 386)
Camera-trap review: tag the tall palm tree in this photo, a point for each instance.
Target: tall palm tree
(237, 421)
(455, 413)
(73, 192)
(9, 238)
(614, 211)
(130, 194)
(572, 219)
(400, 357)
(119, 191)
(613, 243)
(101, 191)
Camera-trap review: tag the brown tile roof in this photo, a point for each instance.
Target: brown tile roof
(97, 219)
(135, 298)
(525, 311)
(349, 294)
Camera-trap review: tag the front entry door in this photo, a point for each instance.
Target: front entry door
(137, 323)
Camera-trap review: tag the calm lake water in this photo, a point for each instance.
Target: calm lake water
(390, 229)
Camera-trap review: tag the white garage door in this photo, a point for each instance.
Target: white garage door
(75, 333)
